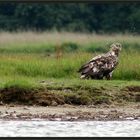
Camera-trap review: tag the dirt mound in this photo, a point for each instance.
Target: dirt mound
(133, 88)
(81, 96)
(45, 99)
(29, 96)
(16, 95)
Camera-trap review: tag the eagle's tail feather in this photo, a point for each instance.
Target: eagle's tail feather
(84, 70)
(83, 67)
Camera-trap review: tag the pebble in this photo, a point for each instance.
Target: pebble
(6, 112)
(129, 118)
(1, 103)
(115, 111)
(26, 108)
(120, 117)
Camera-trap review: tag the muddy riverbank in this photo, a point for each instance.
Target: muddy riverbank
(54, 95)
(71, 113)
(71, 101)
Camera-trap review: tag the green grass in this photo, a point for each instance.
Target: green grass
(70, 46)
(34, 54)
(26, 59)
(48, 42)
(38, 65)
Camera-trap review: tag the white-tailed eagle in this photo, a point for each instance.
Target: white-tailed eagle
(102, 65)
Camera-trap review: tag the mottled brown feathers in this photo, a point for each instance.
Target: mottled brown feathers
(102, 65)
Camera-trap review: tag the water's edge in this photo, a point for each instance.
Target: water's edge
(41, 128)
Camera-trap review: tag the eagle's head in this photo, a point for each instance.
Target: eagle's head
(116, 48)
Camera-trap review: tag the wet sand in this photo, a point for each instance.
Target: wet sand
(71, 113)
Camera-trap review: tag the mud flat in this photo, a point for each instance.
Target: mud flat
(71, 112)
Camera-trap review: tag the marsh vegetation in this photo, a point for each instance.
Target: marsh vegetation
(44, 66)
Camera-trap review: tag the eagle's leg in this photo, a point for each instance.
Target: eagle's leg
(97, 77)
(100, 77)
(84, 76)
(109, 76)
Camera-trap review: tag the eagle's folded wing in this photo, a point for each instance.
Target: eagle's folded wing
(93, 63)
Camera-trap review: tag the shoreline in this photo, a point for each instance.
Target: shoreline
(71, 112)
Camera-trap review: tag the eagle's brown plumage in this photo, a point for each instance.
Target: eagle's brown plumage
(102, 65)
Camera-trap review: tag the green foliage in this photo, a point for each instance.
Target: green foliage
(85, 17)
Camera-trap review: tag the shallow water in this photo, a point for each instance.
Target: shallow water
(40, 128)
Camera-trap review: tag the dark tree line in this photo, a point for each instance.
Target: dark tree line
(85, 17)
